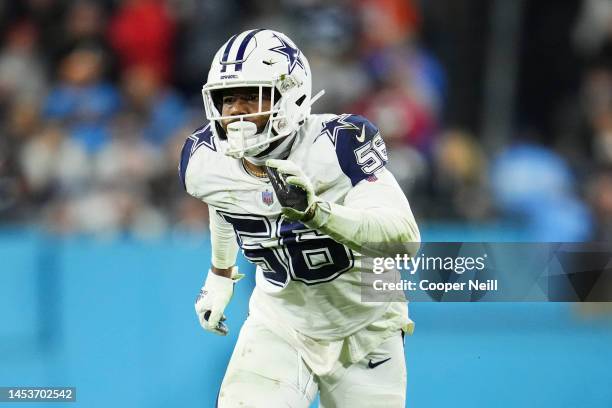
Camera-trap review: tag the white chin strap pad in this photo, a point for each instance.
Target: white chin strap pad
(241, 135)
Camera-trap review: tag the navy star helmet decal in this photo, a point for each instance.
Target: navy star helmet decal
(292, 54)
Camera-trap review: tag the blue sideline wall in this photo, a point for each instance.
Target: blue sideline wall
(115, 319)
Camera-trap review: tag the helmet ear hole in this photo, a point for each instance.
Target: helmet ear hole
(300, 100)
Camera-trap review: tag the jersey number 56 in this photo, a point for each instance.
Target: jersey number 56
(289, 250)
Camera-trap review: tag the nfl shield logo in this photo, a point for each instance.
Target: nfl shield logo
(267, 197)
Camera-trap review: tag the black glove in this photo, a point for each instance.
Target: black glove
(289, 195)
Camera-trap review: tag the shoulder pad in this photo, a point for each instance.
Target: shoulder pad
(202, 136)
(360, 149)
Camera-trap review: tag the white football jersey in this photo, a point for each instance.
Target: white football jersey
(305, 281)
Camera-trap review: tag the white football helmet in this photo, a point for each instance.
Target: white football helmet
(259, 58)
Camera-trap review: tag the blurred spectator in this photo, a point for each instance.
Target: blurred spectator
(203, 26)
(602, 137)
(266, 13)
(22, 120)
(142, 32)
(85, 23)
(600, 198)
(329, 28)
(22, 73)
(191, 216)
(412, 68)
(593, 28)
(533, 186)
(116, 200)
(160, 109)
(392, 21)
(104, 161)
(597, 105)
(45, 15)
(341, 77)
(12, 185)
(54, 165)
(398, 115)
(407, 95)
(459, 178)
(128, 161)
(83, 100)
(108, 212)
(328, 36)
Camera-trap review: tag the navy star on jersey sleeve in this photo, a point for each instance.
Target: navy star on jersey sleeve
(202, 136)
(360, 148)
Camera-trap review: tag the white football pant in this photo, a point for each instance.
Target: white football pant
(267, 372)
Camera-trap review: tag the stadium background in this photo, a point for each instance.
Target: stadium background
(498, 120)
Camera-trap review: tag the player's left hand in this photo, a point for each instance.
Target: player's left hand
(293, 189)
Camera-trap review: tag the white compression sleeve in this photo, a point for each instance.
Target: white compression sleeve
(375, 220)
(222, 241)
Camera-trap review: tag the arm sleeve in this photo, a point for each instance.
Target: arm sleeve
(375, 219)
(222, 240)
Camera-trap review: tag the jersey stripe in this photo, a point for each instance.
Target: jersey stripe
(185, 156)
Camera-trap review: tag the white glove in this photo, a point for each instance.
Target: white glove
(293, 189)
(212, 300)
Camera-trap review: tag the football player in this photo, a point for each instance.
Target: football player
(305, 197)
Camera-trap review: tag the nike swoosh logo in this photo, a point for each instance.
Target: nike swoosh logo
(374, 365)
(269, 62)
(361, 138)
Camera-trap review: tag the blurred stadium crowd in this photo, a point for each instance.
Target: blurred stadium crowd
(97, 97)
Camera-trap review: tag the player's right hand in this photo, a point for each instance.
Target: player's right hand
(212, 300)
(293, 189)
